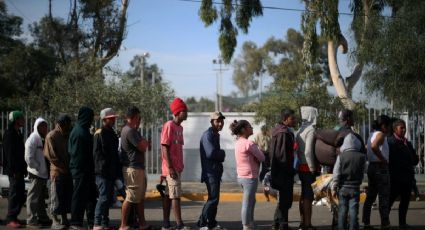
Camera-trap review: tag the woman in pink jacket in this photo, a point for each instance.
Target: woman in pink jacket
(248, 157)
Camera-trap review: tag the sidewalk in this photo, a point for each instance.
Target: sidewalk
(232, 192)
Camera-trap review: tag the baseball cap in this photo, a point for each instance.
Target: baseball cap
(107, 113)
(217, 115)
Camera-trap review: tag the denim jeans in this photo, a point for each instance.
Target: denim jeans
(209, 211)
(83, 200)
(348, 205)
(249, 186)
(105, 188)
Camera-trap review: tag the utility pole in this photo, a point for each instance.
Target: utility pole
(220, 70)
(142, 69)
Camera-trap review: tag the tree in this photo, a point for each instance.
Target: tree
(95, 30)
(151, 73)
(292, 86)
(201, 105)
(396, 57)
(248, 68)
(324, 12)
(233, 16)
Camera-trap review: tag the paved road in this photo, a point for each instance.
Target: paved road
(229, 214)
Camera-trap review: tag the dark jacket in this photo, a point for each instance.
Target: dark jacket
(80, 145)
(281, 155)
(402, 158)
(13, 153)
(350, 164)
(105, 153)
(211, 155)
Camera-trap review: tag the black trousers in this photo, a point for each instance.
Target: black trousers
(16, 197)
(83, 200)
(401, 187)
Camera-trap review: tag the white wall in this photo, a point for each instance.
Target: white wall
(194, 126)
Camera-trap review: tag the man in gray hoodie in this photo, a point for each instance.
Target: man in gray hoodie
(347, 178)
(38, 175)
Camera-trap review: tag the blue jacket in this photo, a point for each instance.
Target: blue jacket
(212, 156)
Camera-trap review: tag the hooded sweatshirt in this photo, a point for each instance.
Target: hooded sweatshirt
(305, 139)
(13, 152)
(80, 145)
(281, 155)
(350, 164)
(34, 155)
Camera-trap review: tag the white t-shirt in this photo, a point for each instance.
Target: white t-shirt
(385, 150)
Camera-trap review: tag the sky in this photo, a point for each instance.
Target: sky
(179, 43)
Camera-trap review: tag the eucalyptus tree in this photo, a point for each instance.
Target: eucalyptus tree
(237, 14)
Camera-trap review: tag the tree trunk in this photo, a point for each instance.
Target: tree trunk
(341, 89)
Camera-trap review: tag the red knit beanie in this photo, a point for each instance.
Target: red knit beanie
(177, 106)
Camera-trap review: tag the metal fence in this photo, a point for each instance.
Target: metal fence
(150, 132)
(415, 132)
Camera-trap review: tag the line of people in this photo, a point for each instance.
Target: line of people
(80, 169)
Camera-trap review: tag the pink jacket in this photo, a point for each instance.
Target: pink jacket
(248, 157)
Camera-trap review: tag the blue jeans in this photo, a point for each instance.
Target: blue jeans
(249, 186)
(106, 192)
(209, 211)
(348, 205)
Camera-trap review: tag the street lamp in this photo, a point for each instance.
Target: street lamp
(219, 100)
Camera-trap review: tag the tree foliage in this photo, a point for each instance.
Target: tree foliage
(396, 57)
(291, 86)
(234, 15)
(248, 67)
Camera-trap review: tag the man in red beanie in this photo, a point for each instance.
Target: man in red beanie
(172, 162)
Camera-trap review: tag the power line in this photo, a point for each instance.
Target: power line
(19, 11)
(285, 9)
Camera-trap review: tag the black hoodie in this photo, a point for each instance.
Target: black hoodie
(80, 145)
(282, 154)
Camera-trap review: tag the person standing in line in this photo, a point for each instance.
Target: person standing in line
(212, 158)
(133, 149)
(262, 139)
(282, 150)
(378, 173)
(107, 166)
(56, 152)
(14, 166)
(80, 149)
(172, 162)
(346, 122)
(307, 168)
(248, 158)
(402, 175)
(38, 176)
(347, 178)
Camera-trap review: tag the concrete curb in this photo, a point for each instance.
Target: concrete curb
(226, 197)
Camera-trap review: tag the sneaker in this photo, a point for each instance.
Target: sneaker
(97, 227)
(204, 228)
(418, 198)
(14, 224)
(182, 227)
(217, 227)
(34, 226)
(58, 226)
(73, 227)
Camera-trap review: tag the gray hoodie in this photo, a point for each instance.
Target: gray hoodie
(305, 137)
(350, 164)
(34, 155)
